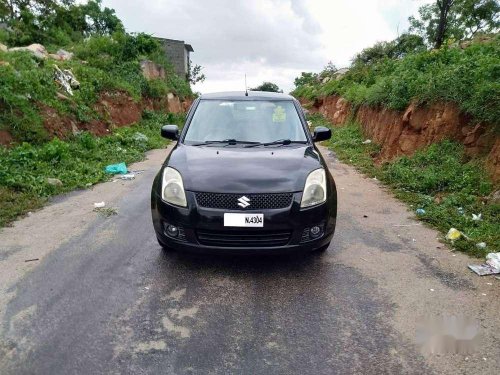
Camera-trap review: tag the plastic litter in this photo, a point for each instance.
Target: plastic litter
(99, 205)
(119, 168)
(476, 217)
(420, 211)
(366, 142)
(481, 245)
(66, 79)
(128, 176)
(492, 265)
(493, 259)
(460, 210)
(453, 234)
(483, 269)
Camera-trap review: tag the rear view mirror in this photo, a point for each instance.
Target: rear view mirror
(321, 133)
(170, 132)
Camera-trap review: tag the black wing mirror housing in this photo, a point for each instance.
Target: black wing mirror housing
(170, 132)
(321, 133)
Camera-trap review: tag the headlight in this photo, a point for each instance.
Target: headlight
(172, 188)
(315, 189)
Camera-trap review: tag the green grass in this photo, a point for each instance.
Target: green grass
(469, 77)
(101, 64)
(440, 179)
(78, 163)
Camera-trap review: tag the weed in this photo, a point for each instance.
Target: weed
(467, 76)
(441, 179)
(78, 162)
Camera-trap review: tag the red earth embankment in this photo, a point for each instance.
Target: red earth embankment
(402, 133)
(114, 109)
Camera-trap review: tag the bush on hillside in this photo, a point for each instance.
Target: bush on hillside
(468, 76)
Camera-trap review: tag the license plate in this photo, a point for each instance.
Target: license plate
(243, 220)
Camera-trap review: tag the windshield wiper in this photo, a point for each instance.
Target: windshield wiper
(283, 142)
(228, 141)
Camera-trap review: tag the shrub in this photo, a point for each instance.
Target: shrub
(468, 76)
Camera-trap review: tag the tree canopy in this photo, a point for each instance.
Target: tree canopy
(56, 22)
(455, 19)
(267, 86)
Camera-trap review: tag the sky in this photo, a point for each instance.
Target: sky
(268, 40)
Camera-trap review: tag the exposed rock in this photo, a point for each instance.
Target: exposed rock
(340, 73)
(186, 104)
(493, 162)
(62, 55)
(151, 70)
(494, 198)
(402, 133)
(54, 181)
(3, 47)
(335, 108)
(36, 49)
(174, 104)
(5, 138)
(119, 108)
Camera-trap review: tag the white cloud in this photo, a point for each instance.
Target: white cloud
(269, 40)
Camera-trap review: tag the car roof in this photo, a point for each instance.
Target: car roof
(252, 95)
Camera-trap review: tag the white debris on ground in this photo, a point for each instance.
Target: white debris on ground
(66, 79)
(492, 265)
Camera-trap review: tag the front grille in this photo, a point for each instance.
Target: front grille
(255, 202)
(243, 238)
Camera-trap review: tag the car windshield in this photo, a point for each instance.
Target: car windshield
(245, 121)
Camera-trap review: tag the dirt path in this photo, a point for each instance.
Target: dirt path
(103, 298)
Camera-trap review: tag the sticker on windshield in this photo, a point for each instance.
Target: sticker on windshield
(279, 114)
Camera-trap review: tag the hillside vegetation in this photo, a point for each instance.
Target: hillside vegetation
(451, 57)
(468, 75)
(440, 180)
(105, 61)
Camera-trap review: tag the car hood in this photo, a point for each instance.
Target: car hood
(244, 170)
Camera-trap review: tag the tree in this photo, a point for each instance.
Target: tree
(395, 49)
(479, 16)
(56, 21)
(455, 19)
(306, 79)
(329, 70)
(267, 86)
(194, 73)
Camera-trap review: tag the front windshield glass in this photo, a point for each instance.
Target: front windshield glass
(245, 121)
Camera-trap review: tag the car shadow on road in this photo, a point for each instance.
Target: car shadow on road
(261, 263)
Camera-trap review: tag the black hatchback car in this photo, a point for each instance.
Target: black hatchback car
(244, 176)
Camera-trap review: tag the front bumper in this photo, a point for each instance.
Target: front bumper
(202, 229)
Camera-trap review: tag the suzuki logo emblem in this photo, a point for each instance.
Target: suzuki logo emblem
(244, 202)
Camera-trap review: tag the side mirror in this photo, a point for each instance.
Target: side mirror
(170, 132)
(321, 134)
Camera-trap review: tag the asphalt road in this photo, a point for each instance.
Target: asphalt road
(103, 298)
